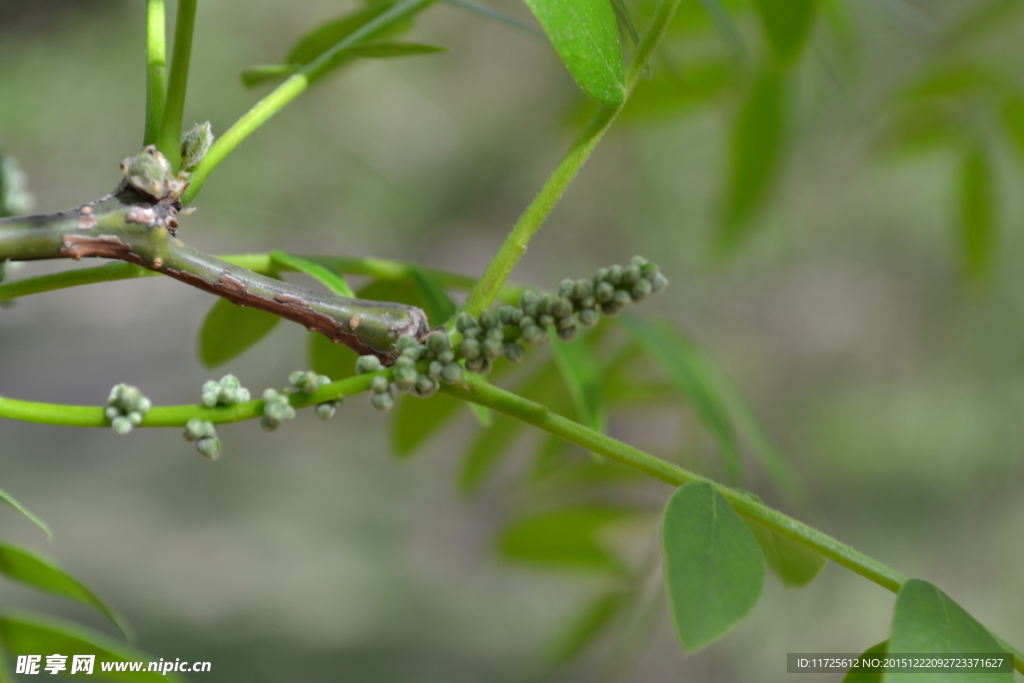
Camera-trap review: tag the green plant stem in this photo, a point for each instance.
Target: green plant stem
(169, 139)
(288, 91)
(378, 269)
(500, 267)
(540, 416)
(156, 68)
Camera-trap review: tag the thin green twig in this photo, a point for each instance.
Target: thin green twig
(169, 140)
(288, 91)
(536, 213)
(156, 68)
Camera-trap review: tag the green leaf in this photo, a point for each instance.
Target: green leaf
(258, 75)
(927, 621)
(1013, 118)
(977, 212)
(329, 277)
(482, 414)
(589, 624)
(24, 634)
(756, 147)
(490, 13)
(714, 567)
(337, 361)
(795, 564)
(402, 291)
(564, 539)
(327, 35)
(726, 26)
(10, 500)
(40, 573)
(687, 370)
(670, 95)
(787, 24)
(582, 379)
(586, 37)
(868, 675)
(438, 306)
(417, 419)
(229, 330)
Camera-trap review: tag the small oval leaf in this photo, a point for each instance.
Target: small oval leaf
(868, 674)
(795, 564)
(927, 621)
(714, 567)
(40, 573)
(755, 149)
(564, 539)
(586, 37)
(229, 330)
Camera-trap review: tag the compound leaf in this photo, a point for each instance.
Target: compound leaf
(714, 567)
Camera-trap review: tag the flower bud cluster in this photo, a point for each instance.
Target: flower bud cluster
(125, 407)
(308, 382)
(420, 368)
(276, 409)
(227, 392)
(500, 333)
(204, 436)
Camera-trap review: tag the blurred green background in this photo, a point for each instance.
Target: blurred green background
(883, 362)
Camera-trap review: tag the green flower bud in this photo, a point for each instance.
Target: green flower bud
(527, 298)
(464, 321)
(135, 417)
(621, 298)
(326, 410)
(610, 309)
(121, 425)
(582, 290)
(452, 373)
(561, 308)
(475, 364)
(112, 412)
(404, 361)
(565, 323)
(495, 334)
(488, 319)
(485, 367)
(470, 348)
(566, 288)
(382, 401)
(630, 274)
(211, 386)
(600, 276)
(297, 377)
(230, 382)
(514, 352)
(438, 342)
(446, 357)
(604, 292)
(526, 322)
(425, 386)
(405, 378)
(535, 336)
(658, 282)
(209, 447)
(638, 261)
(649, 270)
(195, 144)
(367, 364)
(588, 302)
(546, 320)
(641, 288)
(407, 341)
(268, 425)
(567, 334)
(414, 352)
(615, 275)
(544, 301)
(195, 429)
(270, 395)
(589, 317)
(506, 315)
(492, 348)
(379, 384)
(434, 369)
